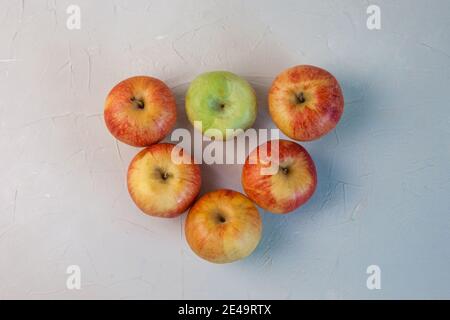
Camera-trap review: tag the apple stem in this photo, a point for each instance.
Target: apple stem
(300, 98)
(221, 218)
(138, 103)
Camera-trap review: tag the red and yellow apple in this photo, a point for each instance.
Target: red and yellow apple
(286, 188)
(160, 186)
(305, 102)
(223, 226)
(140, 111)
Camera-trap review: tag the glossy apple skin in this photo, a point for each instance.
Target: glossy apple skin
(306, 102)
(290, 187)
(161, 187)
(221, 100)
(223, 226)
(140, 111)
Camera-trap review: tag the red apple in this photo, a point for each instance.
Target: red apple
(160, 186)
(140, 111)
(223, 226)
(305, 102)
(291, 183)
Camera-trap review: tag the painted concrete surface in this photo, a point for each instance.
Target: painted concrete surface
(384, 174)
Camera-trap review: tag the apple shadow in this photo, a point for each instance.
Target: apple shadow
(359, 108)
(179, 92)
(261, 85)
(353, 126)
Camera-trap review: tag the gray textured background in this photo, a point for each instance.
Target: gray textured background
(384, 175)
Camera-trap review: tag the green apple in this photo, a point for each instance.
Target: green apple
(220, 100)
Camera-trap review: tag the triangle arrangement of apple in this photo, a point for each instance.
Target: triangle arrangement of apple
(222, 226)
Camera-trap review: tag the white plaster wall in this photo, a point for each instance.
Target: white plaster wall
(384, 174)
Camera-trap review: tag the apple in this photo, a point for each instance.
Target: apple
(305, 102)
(223, 226)
(140, 111)
(162, 187)
(220, 100)
(286, 188)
